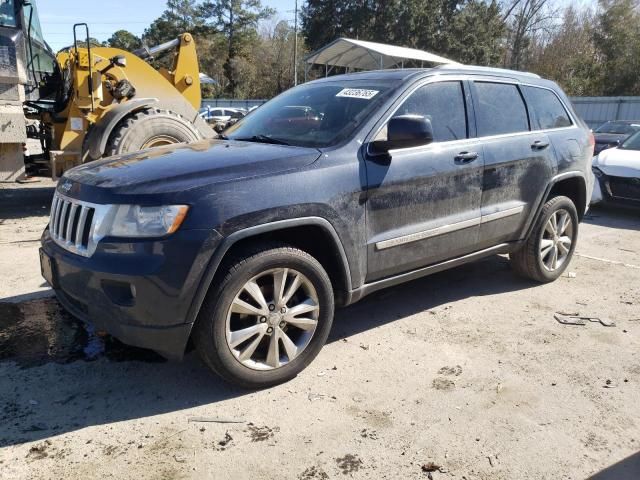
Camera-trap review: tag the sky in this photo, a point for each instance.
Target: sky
(58, 16)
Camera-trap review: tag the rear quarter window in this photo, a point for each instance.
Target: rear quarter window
(545, 108)
(500, 109)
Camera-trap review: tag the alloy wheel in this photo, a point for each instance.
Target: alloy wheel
(272, 319)
(557, 237)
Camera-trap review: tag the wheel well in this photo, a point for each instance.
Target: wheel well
(313, 239)
(575, 189)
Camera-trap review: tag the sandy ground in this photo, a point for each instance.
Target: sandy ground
(466, 370)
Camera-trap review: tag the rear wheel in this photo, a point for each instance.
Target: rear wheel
(149, 129)
(267, 319)
(549, 249)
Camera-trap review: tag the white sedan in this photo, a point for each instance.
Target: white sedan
(617, 172)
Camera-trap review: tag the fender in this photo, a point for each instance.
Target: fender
(98, 136)
(552, 183)
(228, 242)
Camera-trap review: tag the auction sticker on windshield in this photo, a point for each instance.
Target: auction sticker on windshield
(357, 93)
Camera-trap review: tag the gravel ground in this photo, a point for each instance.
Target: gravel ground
(465, 373)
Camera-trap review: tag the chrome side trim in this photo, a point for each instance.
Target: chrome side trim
(368, 288)
(434, 232)
(502, 214)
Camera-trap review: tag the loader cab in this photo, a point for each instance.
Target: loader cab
(25, 57)
(41, 65)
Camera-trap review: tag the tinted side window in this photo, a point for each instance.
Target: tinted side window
(545, 109)
(500, 109)
(443, 104)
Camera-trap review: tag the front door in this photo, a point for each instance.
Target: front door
(423, 203)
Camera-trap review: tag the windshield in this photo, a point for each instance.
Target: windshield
(7, 13)
(618, 128)
(631, 143)
(314, 115)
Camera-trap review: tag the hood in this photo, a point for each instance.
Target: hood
(178, 168)
(619, 163)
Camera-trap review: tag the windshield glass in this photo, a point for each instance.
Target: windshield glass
(631, 143)
(313, 115)
(618, 128)
(7, 13)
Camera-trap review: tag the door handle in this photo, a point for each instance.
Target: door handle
(539, 145)
(466, 157)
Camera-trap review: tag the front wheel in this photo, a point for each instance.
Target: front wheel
(549, 249)
(267, 319)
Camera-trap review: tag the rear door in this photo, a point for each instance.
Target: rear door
(518, 161)
(423, 203)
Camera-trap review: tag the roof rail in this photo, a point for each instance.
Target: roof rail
(485, 69)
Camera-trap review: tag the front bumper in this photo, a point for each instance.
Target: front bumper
(140, 292)
(617, 191)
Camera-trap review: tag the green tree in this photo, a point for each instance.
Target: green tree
(466, 30)
(570, 56)
(477, 33)
(617, 39)
(237, 20)
(124, 40)
(179, 17)
(322, 21)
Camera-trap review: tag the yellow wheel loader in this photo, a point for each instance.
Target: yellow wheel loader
(87, 102)
(109, 101)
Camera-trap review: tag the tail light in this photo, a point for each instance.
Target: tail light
(592, 142)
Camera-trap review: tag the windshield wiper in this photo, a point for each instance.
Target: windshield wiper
(222, 136)
(262, 139)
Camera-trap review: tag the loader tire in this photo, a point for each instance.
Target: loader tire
(149, 129)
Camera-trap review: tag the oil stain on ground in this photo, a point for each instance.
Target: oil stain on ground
(40, 331)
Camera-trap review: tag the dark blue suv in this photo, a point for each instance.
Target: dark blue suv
(327, 193)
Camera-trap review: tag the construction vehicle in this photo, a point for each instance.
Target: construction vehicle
(13, 79)
(87, 102)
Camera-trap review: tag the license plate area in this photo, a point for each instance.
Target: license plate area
(48, 269)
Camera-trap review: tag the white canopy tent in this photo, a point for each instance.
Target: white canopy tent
(360, 55)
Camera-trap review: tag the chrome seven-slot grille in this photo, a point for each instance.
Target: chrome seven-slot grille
(71, 224)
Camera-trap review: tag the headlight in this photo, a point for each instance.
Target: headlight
(138, 221)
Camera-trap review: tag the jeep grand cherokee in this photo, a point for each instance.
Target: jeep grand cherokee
(245, 243)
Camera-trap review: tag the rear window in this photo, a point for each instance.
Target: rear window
(500, 109)
(545, 109)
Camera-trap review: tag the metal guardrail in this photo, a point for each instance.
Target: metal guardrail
(232, 103)
(597, 110)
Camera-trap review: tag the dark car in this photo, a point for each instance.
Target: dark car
(613, 133)
(245, 244)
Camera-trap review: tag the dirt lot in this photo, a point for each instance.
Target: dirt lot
(466, 370)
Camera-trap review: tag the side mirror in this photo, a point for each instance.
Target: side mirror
(406, 131)
(119, 61)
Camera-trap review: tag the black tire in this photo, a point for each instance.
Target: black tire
(527, 261)
(140, 130)
(209, 334)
